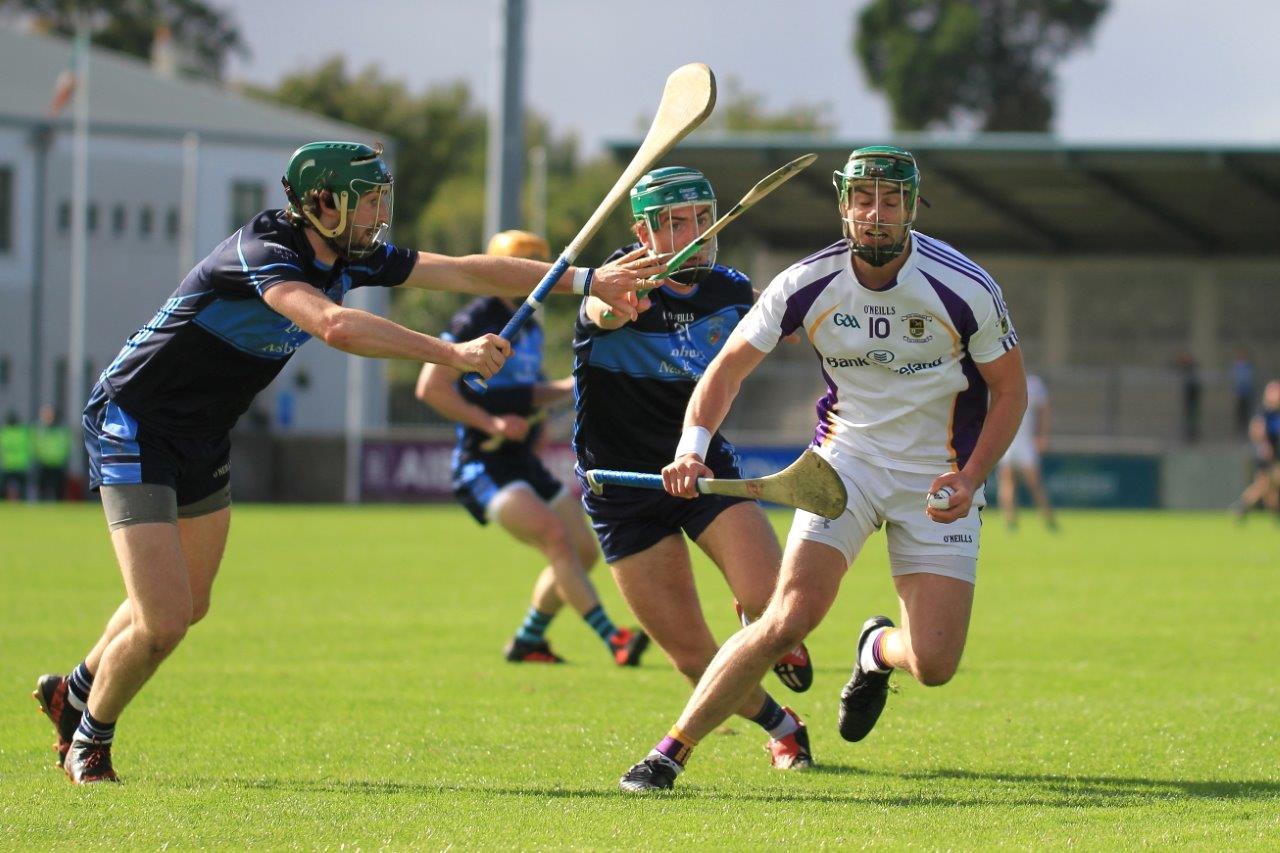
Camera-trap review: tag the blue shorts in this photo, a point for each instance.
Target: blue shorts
(124, 452)
(628, 521)
(477, 480)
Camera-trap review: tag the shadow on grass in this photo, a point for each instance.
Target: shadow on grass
(957, 788)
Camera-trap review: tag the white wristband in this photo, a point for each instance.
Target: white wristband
(694, 439)
(582, 280)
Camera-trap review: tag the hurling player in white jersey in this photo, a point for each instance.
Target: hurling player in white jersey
(1023, 459)
(925, 390)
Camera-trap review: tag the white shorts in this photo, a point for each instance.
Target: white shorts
(1021, 454)
(895, 499)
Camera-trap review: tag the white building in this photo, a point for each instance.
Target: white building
(147, 132)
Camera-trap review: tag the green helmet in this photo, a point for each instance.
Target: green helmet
(879, 164)
(668, 187)
(348, 171)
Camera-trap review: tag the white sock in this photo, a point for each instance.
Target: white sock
(788, 725)
(669, 762)
(868, 660)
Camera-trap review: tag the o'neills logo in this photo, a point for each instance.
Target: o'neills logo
(958, 537)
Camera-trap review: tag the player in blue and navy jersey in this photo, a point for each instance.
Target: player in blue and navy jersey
(1264, 435)
(157, 423)
(634, 379)
(498, 476)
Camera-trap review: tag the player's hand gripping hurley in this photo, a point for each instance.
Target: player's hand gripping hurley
(763, 187)
(809, 483)
(687, 99)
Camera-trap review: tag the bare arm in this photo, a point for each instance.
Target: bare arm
(708, 407)
(1007, 383)
(599, 312)
(361, 333)
(614, 283)
(550, 393)
(438, 389)
(718, 387)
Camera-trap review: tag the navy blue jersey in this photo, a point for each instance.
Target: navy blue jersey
(633, 383)
(511, 388)
(198, 363)
(1271, 429)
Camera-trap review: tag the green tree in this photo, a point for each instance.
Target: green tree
(203, 35)
(437, 134)
(986, 62)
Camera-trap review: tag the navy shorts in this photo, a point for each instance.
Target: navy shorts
(124, 452)
(628, 520)
(477, 480)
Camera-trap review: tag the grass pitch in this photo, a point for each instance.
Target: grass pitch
(1119, 690)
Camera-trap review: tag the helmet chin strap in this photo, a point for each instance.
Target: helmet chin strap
(329, 235)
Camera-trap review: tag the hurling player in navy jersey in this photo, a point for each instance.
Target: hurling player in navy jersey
(498, 476)
(157, 422)
(634, 378)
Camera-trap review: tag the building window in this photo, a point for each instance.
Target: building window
(172, 223)
(247, 200)
(64, 217)
(145, 223)
(6, 210)
(118, 220)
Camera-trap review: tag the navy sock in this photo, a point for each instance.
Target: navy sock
(534, 626)
(95, 730)
(770, 715)
(79, 682)
(775, 719)
(600, 622)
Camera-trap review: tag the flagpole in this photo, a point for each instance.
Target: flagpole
(79, 235)
(190, 185)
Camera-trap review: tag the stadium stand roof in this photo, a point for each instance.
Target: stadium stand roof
(1017, 193)
(128, 98)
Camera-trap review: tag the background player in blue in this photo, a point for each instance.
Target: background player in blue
(498, 476)
(1264, 435)
(634, 379)
(157, 422)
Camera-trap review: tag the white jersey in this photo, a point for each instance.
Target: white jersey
(903, 390)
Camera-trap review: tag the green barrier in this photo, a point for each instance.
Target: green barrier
(1096, 481)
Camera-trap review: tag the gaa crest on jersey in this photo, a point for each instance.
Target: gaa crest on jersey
(715, 330)
(917, 328)
(1004, 324)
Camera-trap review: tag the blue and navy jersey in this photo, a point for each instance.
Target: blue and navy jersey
(511, 388)
(633, 383)
(1271, 429)
(198, 363)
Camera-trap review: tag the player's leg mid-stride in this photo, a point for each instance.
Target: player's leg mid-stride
(863, 698)
(924, 487)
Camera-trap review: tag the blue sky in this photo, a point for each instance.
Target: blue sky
(1158, 71)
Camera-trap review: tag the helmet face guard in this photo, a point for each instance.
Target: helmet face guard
(369, 218)
(360, 188)
(676, 205)
(877, 193)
